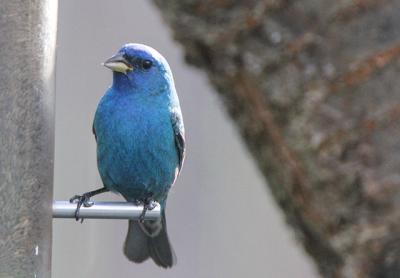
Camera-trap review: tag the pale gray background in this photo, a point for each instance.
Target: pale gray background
(221, 218)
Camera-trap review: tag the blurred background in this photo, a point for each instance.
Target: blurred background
(222, 220)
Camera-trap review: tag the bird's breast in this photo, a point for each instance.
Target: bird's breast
(136, 148)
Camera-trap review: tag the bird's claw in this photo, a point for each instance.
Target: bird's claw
(81, 200)
(147, 205)
(151, 205)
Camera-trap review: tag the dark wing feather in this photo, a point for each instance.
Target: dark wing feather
(179, 130)
(94, 132)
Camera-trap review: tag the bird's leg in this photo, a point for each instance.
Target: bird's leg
(148, 204)
(84, 200)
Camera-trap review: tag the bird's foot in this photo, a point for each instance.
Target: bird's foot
(80, 200)
(137, 202)
(147, 205)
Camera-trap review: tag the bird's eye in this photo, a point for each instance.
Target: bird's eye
(146, 64)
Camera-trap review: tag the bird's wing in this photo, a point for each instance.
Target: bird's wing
(179, 130)
(94, 132)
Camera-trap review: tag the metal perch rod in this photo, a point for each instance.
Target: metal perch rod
(104, 210)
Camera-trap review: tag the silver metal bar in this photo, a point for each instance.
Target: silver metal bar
(104, 210)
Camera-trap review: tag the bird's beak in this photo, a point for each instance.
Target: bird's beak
(118, 63)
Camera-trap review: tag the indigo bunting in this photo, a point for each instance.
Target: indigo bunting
(140, 139)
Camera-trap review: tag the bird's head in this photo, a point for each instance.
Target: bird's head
(140, 67)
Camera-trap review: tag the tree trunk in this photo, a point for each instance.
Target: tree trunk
(313, 87)
(27, 55)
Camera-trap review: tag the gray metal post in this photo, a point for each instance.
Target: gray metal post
(27, 55)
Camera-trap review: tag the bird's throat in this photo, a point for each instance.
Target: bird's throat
(123, 82)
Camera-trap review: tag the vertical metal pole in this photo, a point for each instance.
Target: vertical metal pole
(27, 55)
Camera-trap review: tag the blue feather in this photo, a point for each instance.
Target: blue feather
(140, 141)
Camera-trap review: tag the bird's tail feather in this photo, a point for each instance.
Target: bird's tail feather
(149, 239)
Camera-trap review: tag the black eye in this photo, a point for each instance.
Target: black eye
(146, 64)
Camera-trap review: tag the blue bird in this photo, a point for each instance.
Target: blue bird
(140, 138)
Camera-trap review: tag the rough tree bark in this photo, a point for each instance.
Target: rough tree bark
(313, 87)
